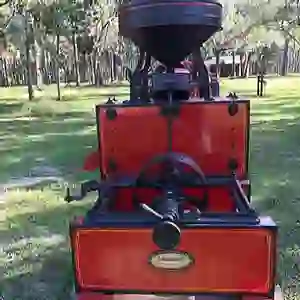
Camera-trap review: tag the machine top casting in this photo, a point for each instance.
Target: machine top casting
(169, 30)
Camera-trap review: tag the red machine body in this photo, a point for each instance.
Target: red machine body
(173, 214)
(120, 252)
(218, 266)
(141, 132)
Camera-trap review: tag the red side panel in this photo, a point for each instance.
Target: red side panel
(240, 260)
(204, 131)
(212, 137)
(91, 162)
(137, 134)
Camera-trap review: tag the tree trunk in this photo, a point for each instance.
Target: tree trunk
(94, 62)
(241, 66)
(218, 54)
(247, 64)
(283, 69)
(38, 64)
(47, 68)
(111, 69)
(233, 64)
(6, 80)
(76, 59)
(297, 61)
(28, 58)
(58, 67)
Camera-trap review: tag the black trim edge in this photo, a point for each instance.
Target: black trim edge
(189, 293)
(247, 145)
(99, 145)
(76, 285)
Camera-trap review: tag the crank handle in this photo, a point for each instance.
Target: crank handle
(86, 187)
(70, 198)
(151, 211)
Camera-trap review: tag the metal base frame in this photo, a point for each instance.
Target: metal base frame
(278, 295)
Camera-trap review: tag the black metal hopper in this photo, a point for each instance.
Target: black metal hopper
(169, 30)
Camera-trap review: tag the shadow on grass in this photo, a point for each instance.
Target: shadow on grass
(8, 107)
(35, 259)
(62, 141)
(59, 134)
(49, 277)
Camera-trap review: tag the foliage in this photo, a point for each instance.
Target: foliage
(93, 24)
(248, 21)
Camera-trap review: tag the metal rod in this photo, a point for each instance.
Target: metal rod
(170, 124)
(150, 210)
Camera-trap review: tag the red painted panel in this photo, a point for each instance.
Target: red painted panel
(137, 134)
(211, 136)
(204, 131)
(118, 259)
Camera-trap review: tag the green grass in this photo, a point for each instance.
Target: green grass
(34, 253)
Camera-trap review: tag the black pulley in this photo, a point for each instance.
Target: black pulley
(166, 235)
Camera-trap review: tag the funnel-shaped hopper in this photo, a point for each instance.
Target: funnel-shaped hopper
(169, 30)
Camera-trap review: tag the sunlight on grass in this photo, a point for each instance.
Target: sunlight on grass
(34, 252)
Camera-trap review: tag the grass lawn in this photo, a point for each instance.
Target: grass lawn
(34, 255)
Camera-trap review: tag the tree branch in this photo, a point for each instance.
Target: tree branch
(238, 36)
(291, 36)
(4, 3)
(6, 24)
(103, 28)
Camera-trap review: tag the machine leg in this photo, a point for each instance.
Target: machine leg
(91, 296)
(278, 295)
